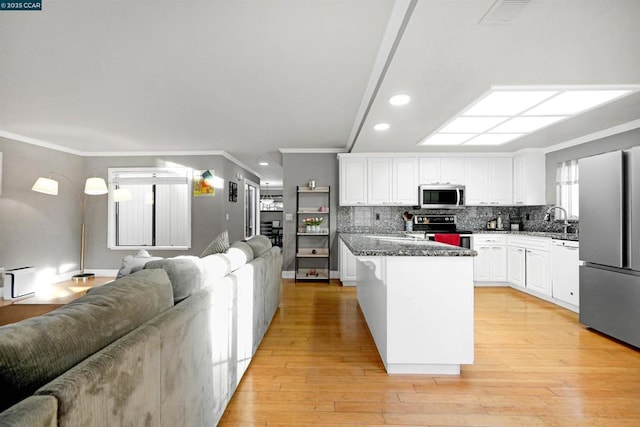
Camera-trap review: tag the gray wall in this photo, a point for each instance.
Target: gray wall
(298, 169)
(614, 142)
(44, 231)
(207, 213)
(38, 229)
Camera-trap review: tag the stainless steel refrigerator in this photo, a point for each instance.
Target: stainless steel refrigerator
(610, 244)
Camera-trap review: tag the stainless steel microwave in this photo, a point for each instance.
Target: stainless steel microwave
(442, 196)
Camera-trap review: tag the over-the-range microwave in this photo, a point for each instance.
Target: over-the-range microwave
(441, 196)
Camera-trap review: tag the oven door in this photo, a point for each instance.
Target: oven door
(441, 196)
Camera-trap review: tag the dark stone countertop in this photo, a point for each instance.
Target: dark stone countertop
(560, 236)
(398, 244)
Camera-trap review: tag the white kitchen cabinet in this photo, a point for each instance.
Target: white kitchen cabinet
(536, 263)
(516, 266)
(538, 271)
(489, 181)
(565, 271)
(529, 179)
(353, 181)
(405, 176)
(347, 265)
(379, 175)
(491, 263)
(429, 170)
(452, 170)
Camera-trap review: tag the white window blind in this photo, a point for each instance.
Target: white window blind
(567, 187)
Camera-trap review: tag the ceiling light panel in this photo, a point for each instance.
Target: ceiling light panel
(381, 127)
(525, 124)
(447, 139)
(507, 103)
(493, 138)
(472, 124)
(575, 101)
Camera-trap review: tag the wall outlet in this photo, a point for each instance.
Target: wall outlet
(288, 217)
(377, 217)
(226, 216)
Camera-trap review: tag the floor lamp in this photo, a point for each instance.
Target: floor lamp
(94, 186)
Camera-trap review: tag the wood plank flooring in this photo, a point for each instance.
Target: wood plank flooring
(535, 365)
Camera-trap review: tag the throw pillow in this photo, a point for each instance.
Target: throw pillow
(131, 263)
(219, 245)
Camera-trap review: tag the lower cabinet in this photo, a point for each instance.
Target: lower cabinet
(347, 265)
(528, 263)
(490, 265)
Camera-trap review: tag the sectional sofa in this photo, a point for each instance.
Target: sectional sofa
(164, 346)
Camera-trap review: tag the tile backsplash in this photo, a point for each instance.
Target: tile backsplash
(381, 219)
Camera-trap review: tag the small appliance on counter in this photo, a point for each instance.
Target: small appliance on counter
(432, 225)
(515, 223)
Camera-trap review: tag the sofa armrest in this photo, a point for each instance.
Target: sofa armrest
(34, 411)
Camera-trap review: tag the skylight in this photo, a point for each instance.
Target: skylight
(504, 114)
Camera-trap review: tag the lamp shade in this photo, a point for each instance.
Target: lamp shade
(121, 195)
(95, 186)
(46, 186)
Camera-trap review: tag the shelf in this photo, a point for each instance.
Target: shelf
(312, 234)
(312, 211)
(305, 274)
(316, 190)
(309, 253)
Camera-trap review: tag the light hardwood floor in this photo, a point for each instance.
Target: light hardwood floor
(535, 365)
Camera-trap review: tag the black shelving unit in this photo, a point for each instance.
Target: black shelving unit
(313, 249)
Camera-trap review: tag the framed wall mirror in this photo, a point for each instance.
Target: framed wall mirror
(149, 208)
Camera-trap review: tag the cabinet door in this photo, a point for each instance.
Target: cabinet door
(452, 170)
(482, 264)
(380, 177)
(429, 170)
(348, 264)
(500, 181)
(516, 266)
(499, 263)
(476, 181)
(353, 181)
(529, 179)
(537, 275)
(405, 181)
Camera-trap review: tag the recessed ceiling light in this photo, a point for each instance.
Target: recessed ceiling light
(400, 99)
(381, 126)
(447, 138)
(263, 163)
(505, 113)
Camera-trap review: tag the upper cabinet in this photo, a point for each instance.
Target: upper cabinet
(446, 170)
(353, 181)
(374, 180)
(489, 181)
(529, 179)
(379, 181)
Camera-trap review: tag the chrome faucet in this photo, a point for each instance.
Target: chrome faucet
(565, 224)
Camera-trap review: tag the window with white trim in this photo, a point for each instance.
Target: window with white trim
(567, 188)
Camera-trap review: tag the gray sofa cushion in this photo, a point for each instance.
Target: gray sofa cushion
(34, 411)
(131, 264)
(184, 274)
(36, 350)
(259, 244)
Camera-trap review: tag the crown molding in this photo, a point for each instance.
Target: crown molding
(44, 144)
(594, 136)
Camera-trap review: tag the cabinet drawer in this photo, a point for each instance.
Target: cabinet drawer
(530, 242)
(489, 239)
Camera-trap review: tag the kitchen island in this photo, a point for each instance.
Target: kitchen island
(417, 299)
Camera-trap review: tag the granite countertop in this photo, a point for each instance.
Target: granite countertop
(560, 236)
(399, 244)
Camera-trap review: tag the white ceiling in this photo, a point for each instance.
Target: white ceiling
(253, 77)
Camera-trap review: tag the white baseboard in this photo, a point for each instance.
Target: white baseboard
(291, 274)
